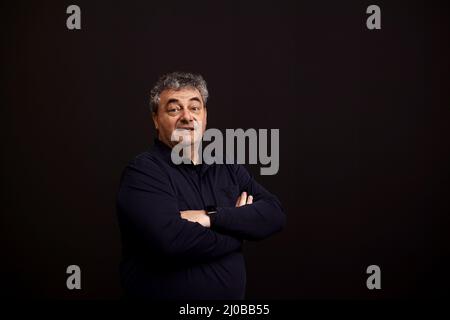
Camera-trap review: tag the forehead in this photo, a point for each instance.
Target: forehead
(183, 95)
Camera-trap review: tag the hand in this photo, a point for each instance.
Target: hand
(198, 216)
(242, 200)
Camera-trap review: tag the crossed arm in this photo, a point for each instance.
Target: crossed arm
(257, 214)
(201, 216)
(148, 212)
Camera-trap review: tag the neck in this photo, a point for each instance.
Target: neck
(194, 153)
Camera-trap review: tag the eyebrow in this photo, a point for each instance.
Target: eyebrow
(177, 101)
(195, 99)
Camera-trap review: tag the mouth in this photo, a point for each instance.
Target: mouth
(186, 128)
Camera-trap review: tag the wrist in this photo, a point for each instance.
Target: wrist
(211, 212)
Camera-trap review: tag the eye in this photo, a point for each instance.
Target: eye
(173, 109)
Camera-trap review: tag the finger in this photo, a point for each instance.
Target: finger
(243, 199)
(187, 215)
(238, 201)
(250, 200)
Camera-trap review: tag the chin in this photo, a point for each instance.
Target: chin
(186, 140)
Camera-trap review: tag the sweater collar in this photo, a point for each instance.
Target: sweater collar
(165, 153)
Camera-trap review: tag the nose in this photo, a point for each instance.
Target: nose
(187, 116)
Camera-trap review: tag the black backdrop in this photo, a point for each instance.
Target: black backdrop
(362, 116)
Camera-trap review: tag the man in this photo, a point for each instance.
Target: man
(183, 225)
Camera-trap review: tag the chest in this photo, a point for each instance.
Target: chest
(195, 190)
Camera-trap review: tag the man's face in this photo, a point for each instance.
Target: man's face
(181, 114)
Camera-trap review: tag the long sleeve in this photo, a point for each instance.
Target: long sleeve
(147, 204)
(251, 222)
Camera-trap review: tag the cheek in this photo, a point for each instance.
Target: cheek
(168, 125)
(203, 119)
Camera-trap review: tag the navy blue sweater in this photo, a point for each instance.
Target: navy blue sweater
(167, 257)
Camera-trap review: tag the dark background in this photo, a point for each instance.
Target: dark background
(363, 119)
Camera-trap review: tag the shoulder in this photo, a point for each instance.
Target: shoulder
(237, 172)
(146, 163)
(233, 168)
(146, 159)
(237, 169)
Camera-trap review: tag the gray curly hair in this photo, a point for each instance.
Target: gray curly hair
(176, 81)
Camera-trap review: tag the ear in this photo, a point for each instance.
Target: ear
(155, 119)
